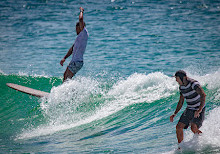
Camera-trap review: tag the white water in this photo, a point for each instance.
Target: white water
(72, 104)
(209, 139)
(68, 105)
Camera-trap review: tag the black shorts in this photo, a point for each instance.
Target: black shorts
(188, 117)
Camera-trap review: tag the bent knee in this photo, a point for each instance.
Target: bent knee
(180, 126)
(194, 128)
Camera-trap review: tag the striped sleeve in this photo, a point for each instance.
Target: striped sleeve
(195, 85)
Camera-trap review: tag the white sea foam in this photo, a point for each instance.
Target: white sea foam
(60, 108)
(26, 74)
(210, 136)
(211, 128)
(21, 73)
(68, 105)
(209, 139)
(212, 80)
(140, 88)
(71, 104)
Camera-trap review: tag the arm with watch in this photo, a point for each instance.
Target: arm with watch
(179, 106)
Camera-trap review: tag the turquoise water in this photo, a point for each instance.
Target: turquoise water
(121, 100)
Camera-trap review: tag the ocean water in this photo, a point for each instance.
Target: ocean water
(122, 98)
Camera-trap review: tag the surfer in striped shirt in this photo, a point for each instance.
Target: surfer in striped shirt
(195, 98)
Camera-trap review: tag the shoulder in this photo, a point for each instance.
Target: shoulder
(194, 83)
(85, 31)
(83, 34)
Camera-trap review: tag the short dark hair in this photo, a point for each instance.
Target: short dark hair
(77, 24)
(180, 74)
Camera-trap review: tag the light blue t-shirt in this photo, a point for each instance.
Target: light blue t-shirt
(80, 45)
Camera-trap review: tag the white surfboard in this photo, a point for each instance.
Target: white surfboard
(27, 90)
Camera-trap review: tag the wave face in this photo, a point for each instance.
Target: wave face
(90, 113)
(122, 98)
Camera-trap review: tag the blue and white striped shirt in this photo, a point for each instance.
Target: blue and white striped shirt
(190, 94)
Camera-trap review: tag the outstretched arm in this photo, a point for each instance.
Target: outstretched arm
(67, 55)
(81, 22)
(179, 106)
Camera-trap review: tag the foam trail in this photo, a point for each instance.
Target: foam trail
(211, 128)
(67, 100)
(76, 103)
(62, 107)
(209, 138)
(72, 104)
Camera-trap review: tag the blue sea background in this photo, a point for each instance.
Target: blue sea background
(121, 100)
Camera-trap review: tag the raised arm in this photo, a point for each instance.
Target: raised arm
(81, 22)
(179, 106)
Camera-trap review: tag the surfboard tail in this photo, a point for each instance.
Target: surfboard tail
(27, 90)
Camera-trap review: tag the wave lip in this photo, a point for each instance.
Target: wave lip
(144, 88)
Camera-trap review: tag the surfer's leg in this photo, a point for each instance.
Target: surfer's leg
(197, 122)
(67, 74)
(72, 69)
(195, 129)
(179, 131)
(183, 124)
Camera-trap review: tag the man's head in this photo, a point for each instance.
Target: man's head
(78, 29)
(180, 76)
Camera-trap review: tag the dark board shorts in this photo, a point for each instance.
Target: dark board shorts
(188, 117)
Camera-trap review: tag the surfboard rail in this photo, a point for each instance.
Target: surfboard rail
(28, 90)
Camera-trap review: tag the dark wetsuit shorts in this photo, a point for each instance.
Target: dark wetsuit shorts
(188, 117)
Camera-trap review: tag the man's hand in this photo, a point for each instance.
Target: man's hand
(81, 9)
(62, 61)
(172, 117)
(196, 114)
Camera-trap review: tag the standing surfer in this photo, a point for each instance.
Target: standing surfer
(195, 98)
(77, 49)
